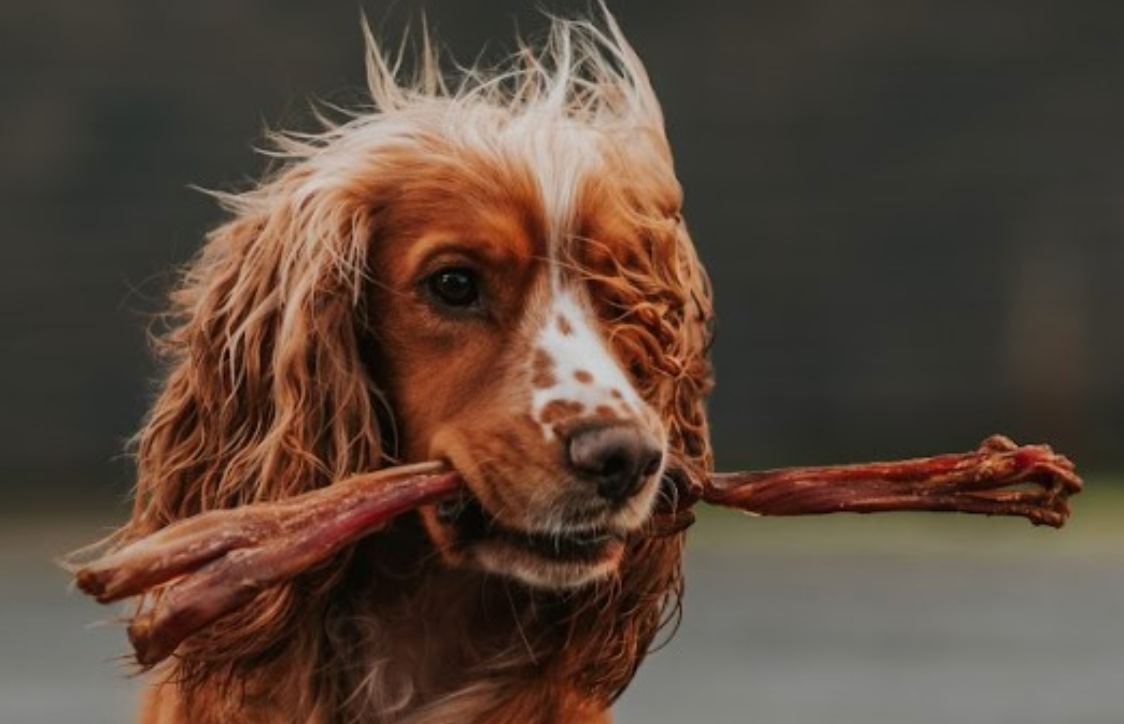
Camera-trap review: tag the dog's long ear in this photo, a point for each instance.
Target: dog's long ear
(266, 393)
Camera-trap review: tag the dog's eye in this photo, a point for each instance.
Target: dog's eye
(455, 287)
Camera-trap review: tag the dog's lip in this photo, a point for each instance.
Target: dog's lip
(473, 525)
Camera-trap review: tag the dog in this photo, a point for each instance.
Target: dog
(494, 273)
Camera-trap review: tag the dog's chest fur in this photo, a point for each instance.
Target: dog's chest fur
(404, 623)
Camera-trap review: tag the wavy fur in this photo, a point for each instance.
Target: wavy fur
(273, 388)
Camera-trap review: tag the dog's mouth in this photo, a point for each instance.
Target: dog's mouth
(564, 558)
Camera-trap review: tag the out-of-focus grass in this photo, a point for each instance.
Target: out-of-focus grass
(1095, 527)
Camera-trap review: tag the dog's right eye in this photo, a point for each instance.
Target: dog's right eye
(454, 287)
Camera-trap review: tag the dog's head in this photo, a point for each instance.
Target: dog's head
(534, 284)
(498, 276)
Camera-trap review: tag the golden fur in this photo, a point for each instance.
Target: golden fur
(298, 353)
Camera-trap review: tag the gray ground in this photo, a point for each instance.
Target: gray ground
(857, 621)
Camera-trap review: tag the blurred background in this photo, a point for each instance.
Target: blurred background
(912, 214)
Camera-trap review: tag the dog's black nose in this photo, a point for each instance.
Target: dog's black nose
(618, 458)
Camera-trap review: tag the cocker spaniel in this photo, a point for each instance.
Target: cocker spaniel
(492, 271)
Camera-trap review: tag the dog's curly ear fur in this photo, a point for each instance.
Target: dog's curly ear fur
(662, 314)
(266, 393)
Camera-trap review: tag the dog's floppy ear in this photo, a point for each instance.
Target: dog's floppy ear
(266, 394)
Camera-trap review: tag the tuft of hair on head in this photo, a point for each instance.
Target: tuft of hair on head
(584, 69)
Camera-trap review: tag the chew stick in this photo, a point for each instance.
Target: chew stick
(202, 568)
(215, 563)
(1000, 478)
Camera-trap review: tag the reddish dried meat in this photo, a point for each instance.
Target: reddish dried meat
(197, 570)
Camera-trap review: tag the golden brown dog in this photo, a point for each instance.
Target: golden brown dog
(494, 273)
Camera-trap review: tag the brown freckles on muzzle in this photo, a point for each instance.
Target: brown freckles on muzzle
(609, 443)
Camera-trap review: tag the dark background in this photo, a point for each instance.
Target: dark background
(911, 210)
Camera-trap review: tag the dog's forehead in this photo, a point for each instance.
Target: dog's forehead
(560, 161)
(591, 183)
(564, 192)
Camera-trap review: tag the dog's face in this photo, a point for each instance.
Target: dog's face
(493, 312)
